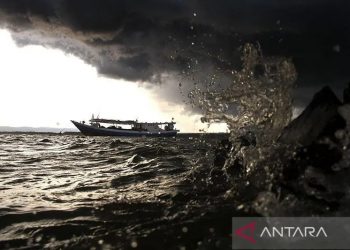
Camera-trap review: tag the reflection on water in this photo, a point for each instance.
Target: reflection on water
(105, 193)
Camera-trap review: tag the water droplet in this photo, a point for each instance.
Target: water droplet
(134, 244)
(185, 229)
(240, 207)
(336, 48)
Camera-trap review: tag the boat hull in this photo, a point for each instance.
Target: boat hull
(93, 131)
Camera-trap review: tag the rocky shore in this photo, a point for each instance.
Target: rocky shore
(306, 172)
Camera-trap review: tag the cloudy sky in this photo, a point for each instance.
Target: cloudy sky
(143, 48)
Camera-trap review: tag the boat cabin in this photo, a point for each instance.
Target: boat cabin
(133, 125)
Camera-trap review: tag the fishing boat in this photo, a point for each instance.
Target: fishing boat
(109, 127)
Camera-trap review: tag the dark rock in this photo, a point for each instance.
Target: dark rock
(226, 157)
(248, 139)
(320, 118)
(306, 174)
(318, 155)
(221, 152)
(217, 176)
(311, 173)
(236, 168)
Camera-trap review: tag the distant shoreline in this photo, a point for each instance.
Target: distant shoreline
(78, 133)
(36, 132)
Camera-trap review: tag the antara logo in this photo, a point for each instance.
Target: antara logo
(247, 232)
(292, 232)
(241, 232)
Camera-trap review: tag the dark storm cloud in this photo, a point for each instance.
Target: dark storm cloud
(141, 40)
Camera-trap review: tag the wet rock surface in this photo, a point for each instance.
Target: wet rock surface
(320, 118)
(307, 171)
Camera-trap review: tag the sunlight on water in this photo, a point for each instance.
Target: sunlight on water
(81, 191)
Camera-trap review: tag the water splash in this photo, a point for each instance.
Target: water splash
(257, 100)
